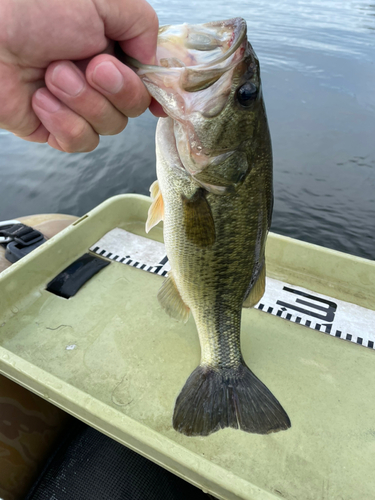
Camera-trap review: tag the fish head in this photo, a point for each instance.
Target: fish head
(207, 79)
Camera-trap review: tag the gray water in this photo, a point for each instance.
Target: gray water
(317, 60)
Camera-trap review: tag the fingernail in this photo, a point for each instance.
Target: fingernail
(46, 101)
(108, 77)
(67, 79)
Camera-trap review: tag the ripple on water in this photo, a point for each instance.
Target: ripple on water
(317, 60)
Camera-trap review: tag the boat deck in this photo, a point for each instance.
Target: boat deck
(110, 356)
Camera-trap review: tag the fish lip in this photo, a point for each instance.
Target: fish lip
(239, 29)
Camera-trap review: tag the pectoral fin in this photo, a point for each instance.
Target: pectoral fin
(156, 210)
(198, 221)
(170, 299)
(154, 189)
(257, 291)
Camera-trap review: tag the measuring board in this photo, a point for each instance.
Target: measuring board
(326, 314)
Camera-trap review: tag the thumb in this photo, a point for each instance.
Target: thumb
(132, 23)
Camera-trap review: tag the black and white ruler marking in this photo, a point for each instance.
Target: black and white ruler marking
(314, 310)
(133, 250)
(329, 315)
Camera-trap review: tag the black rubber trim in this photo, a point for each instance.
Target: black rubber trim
(70, 280)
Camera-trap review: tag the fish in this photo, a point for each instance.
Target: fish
(214, 194)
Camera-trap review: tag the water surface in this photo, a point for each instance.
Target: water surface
(317, 60)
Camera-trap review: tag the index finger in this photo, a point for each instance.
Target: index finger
(132, 23)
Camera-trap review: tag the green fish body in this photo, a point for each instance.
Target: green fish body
(214, 194)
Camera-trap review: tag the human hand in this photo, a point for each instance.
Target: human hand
(45, 96)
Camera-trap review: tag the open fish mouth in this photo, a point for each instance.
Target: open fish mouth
(195, 56)
(199, 68)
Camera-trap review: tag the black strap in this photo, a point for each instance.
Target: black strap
(19, 240)
(21, 234)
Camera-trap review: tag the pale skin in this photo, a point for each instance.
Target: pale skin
(59, 82)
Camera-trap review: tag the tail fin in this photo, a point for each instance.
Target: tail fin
(214, 398)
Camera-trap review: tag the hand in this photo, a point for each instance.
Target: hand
(45, 96)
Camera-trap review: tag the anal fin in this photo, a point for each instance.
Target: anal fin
(257, 291)
(170, 299)
(156, 210)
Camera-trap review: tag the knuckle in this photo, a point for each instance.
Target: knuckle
(90, 147)
(153, 20)
(136, 103)
(68, 148)
(105, 119)
(77, 132)
(18, 122)
(80, 148)
(79, 138)
(99, 110)
(116, 128)
(6, 117)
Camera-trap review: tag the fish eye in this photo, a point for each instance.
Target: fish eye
(247, 94)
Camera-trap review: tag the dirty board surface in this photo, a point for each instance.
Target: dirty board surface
(111, 356)
(137, 363)
(338, 318)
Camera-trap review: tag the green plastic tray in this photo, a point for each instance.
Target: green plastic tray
(114, 359)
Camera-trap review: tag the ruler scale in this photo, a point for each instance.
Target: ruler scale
(319, 312)
(136, 251)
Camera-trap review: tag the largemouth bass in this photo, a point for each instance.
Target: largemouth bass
(214, 193)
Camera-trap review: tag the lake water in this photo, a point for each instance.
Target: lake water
(318, 70)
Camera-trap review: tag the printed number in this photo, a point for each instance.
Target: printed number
(328, 309)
